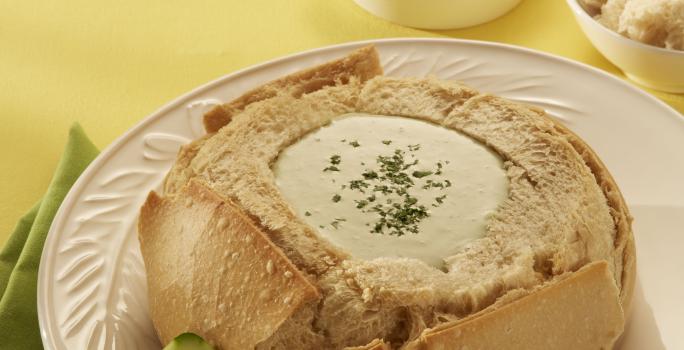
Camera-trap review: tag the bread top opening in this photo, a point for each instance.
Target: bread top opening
(554, 220)
(391, 186)
(561, 213)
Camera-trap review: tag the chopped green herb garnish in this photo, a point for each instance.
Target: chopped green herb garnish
(370, 175)
(436, 184)
(408, 165)
(335, 160)
(306, 213)
(384, 189)
(358, 185)
(420, 174)
(336, 222)
(399, 218)
(393, 178)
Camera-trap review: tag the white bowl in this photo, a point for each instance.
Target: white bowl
(438, 14)
(651, 66)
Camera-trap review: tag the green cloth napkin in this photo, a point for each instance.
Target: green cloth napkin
(20, 257)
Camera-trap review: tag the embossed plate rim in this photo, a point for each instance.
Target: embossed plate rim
(54, 235)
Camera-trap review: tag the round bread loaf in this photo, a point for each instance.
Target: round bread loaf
(228, 258)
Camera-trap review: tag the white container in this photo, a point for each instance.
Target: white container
(438, 14)
(651, 66)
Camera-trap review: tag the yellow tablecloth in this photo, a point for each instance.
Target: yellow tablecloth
(109, 64)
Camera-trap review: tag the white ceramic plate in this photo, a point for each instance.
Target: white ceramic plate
(91, 285)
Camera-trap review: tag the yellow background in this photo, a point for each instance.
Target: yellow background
(109, 64)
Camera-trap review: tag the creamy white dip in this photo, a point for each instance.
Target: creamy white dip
(450, 192)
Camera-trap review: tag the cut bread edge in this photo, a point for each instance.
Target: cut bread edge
(361, 64)
(621, 215)
(252, 290)
(552, 317)
(181, 171)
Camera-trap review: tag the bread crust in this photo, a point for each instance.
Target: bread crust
(252, 287)
(361, 64)
(552, 317)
